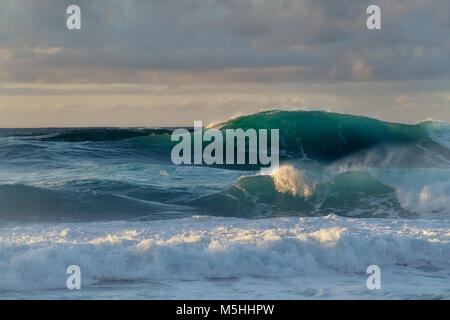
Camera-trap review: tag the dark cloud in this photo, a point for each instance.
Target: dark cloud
(224, 41)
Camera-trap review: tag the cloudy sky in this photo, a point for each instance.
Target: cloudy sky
(169, 62)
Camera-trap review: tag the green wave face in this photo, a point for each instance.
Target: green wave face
(320, 136)
(342, 148)
(352, 194)
(330, 164)
(325, 136)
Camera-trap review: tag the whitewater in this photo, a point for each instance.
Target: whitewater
(350, 192)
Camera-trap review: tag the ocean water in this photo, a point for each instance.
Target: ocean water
(350, 192)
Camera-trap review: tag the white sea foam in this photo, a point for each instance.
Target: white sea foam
(424, 191)
(287, 179)
(35, 257)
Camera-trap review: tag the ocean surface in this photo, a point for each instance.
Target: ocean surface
(350, 192)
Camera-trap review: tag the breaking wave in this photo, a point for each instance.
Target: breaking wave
(203, 248)
(307, 135)
(330, 164)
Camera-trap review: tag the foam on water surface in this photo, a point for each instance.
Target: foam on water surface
(323, 257)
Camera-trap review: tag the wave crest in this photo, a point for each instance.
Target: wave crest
(289, 180)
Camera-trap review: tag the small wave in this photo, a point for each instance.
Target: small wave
(103, 134)
(27, 203)
(289, 191)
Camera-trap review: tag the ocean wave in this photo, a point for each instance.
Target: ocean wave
(306, 135)
(327, 137)
(103, 134)
(35, 257)
(291, 191)
(27, 203)
(331, 164)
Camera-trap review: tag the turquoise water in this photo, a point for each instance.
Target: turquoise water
(350, 191)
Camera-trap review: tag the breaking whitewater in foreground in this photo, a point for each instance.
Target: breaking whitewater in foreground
(350, 192)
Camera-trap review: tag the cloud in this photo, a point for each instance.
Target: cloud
(149, 41)
(29, 105)
(169, 62)
(46, 51)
